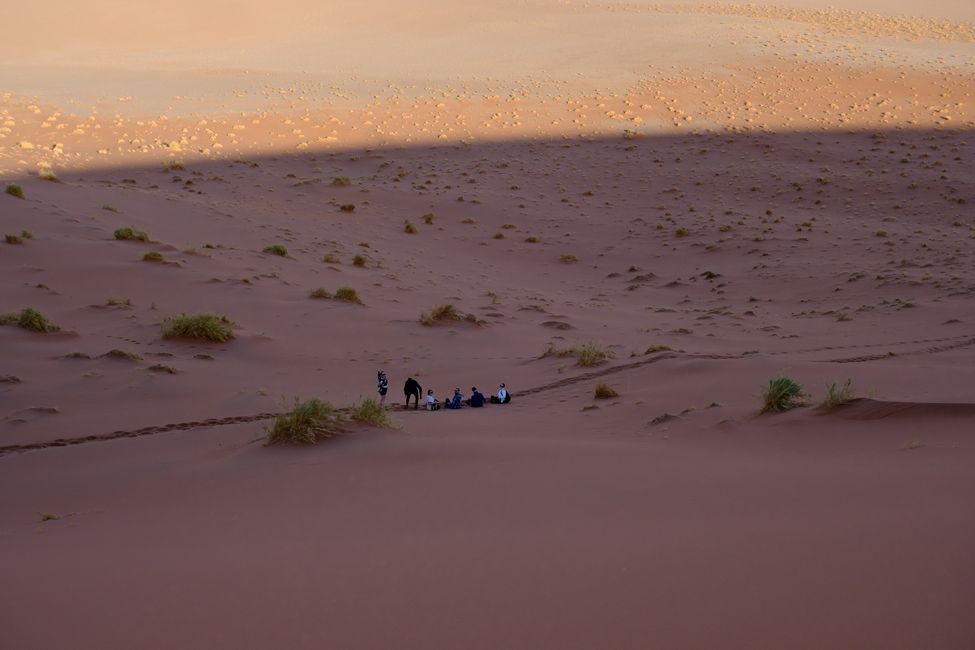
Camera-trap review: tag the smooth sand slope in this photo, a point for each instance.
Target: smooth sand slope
(711, 195)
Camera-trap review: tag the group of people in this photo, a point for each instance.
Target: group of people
(412, 389)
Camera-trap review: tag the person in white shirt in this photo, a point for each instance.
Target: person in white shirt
(432, 403)
(502, 397)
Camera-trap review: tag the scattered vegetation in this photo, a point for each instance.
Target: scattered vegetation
(842, 316)
(838, 395)
(440, 313)
(409, 227)
(320, 293)
(122, 355)
(782, 394)
(569, 259)
(605, 392)
(348, 294)
(153, 256)
(331, 258)
(15, 190)
(531, 240)
(29, 319)
(681, 232)
(48, 175)
(428, 218)
(126, 233)
(370, 412)
(657, 348)
(347, 207)
(359, 260)
(13, 239)
(341, 181)
(307, 423)
(173, 166)
(277, 249)
(201, 327)
(586, 355)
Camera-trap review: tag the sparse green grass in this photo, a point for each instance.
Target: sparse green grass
(127, 233)
(428, 218)
(657, 348)
(341, 181)
(604, 392)
(359, 261)
(153, 256)
(320, 293)
(440, 313)
(782, 394)
(348, 294)
(569, 259)
(347, 207)
(48, 175)
(409, 227)
(277, 249)
(29, 319)
(26, 234)
(201, 327)
(370, 412)
(15, 190)
(307, 423)
(838, 395)
(13, 239)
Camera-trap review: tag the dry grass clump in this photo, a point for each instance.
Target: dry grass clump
(320, 293)
(428, 218)
(122, 355)
(440, 313)
(369, 411)
(305, 424)
(331, 258)
(15, 190)
(657, 348)
(409, 227)
(130, 234)
(13, 239)
(277, 249)
(153, 256)
(48, 175)
(680, 232)
(838, 395)
(348, 294)
(200, 327)
(569, 259)
(341, 181)
(29, 319)
(586, 355)
(782, 394)
(173, 166)
(347, 207)
(359, 260)
(604, 392)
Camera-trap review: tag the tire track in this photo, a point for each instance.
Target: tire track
(963, 341)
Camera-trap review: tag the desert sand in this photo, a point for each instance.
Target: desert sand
(710, 195)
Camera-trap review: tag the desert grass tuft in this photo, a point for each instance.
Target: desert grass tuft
(359, 260)
(341, 181)
(440, 313)
(13, 239)
(29, 319)
(569, 259)
(591, 354)
(15, 190)
(319, 293)
(173, 166)
(48, 175)
(153, 256)
(200, 327)
(838, 395)
(130, 234)
(305, 424)
(277, 249)
(428, 218)
(782, 394)
(409, 227)
(331, 258)
(369, 411)
(657, 348)
(122, 355)
(348, 294)
(347, 207)
(604, 392)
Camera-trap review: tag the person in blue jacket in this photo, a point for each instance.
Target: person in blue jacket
(457, 401)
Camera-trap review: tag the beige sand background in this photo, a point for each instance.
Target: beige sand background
(714, 194)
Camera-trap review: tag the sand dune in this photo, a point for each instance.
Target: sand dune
(640, 214)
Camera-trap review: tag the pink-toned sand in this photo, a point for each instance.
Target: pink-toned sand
(801, 209)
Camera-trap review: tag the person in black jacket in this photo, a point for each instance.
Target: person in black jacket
(477, 398)
(412, 388)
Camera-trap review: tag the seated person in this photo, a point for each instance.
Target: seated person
(433, 404)
(457, 401)
(503, 397)
(477, 399)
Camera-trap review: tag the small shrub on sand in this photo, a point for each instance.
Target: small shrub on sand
(348, 294)
(591, 354)
(13, 239)
(201, 327)
(331, 258)
(347, 207)
(569, 259)
(307, 423)
(26, 234)
(29, 319)
(440, 313)
(409, 227)
(531, 240)
(49, 516)
(843, 317)
(15, 190)
(370, 412)
(48, 175)
(122, 355)
(173, 166)
(782, 394)
(359, 261)
(320, 293)
(680, 232)
(153, 256)
(499, 235)
(341, 181)
(657, 348)
(605, 392)
(277, 249)
(838, 395)
(130, 234)
(428, 218)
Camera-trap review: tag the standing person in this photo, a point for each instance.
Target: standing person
(382, 387)
(412, 388)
